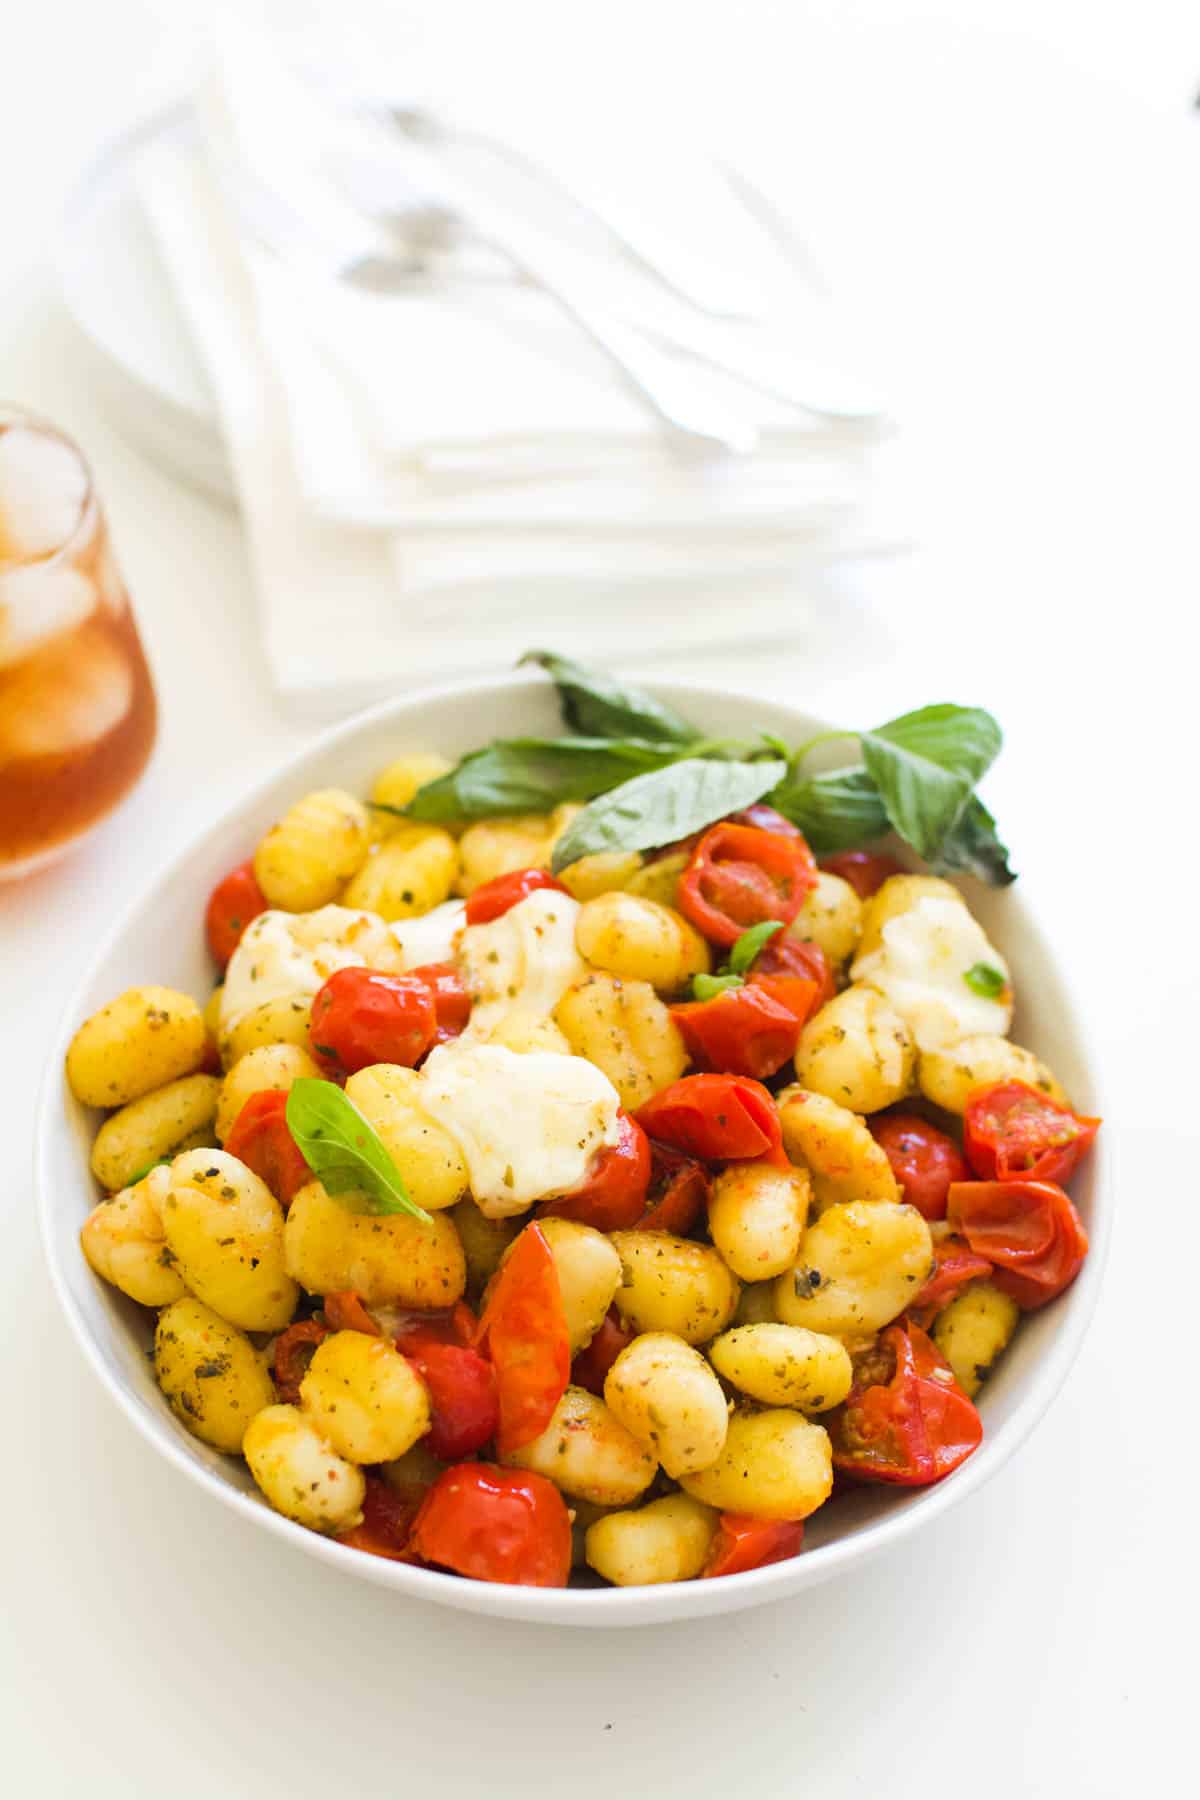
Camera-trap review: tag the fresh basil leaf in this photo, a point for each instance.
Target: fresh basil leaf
(707, 987)
(836, 811)
(599, 706)
(342, 1148)
(973, 847)
(962, 738)
(775, 745)
(925, 765)
(984, 980)
(518, 775)
(141, 1175)
(750, 943)
(666, 805)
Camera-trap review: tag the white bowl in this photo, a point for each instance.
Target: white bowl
(161, 939)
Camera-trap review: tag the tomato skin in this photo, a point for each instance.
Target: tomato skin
(597, 1358)
(386, 1523)
(495, 1524)
(717, 1118)
(865, 870)
(496, 897)
(743, 1031)
(612, 1195)
(925, 1161)
(236, 899)
(744, 1543)
(361, 1017)
(346, 1312)
(679, 1191)
(462, 1394)
(740, 875)
(260, 1138)
(447, 1325)
(451, 1001)
(911, 1430)
(1028, 1229)
(293, 1353)
(788, 959)
(1013, 1132)
(766, 819)
(524, 1328)
(955, 1264)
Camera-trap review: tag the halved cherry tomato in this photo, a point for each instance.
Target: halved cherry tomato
(924, 1160)
(494, 1524)
(236, 899)
(740, 876)
(744, 1030)
(455, 1324)
(387, 1522)
(679, 1191)
(451, 1001)
(260, 1138)
(786, 957)
(1028, 1229)
(293, 1353)
(914, 1428)
(612, 1195)
(865, 870)
(462, 1394)
(720, 1118)
(766, 819)
(346, 1312)
(955, 1264)
(744, 1543)
(1013, 1132)
(362, 1017)
(496, 897)
(524, 1329)
(597, 1358)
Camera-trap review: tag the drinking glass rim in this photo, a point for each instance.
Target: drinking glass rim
(11, 415)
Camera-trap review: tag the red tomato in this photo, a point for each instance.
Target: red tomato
(495, 1525)
(524, 1327)
(346, 1312)
(741, 876)
(955, 1264)
(766, 819)
(235, 900)
(786, 957)
(451, 1001)
(744, 1543)
(1028, 1229)
(924, 1160)
(597, 1358)
(742, 1031)
(719, 1118)
(456, 1324)
(386, 1523)
(361, 1017)
(495, 898)
(912, 1430)
(679, 1191)
(1014, 1132)
(260, 1138)
(612, 1195)
(293, 1353)
(462, 1394)
(865, 870)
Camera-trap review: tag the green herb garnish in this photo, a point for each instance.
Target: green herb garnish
(343, 1149)
(597, 705)
(665, 806)
(984, 980)
(750, 943)
(707, 987)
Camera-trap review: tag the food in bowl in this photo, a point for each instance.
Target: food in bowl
(572, 1171)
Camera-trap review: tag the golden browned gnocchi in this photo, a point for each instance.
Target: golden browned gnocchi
(775, 1465)
(671, 1284)
(756, 1215)
(269, 1068)
(214, 1380)
(641, 941)
(831, 917)
(396, 785)
(282, 1021)
(153, 1127)
(626, 1030)
(857, 1051)
(658, 879)
(412, 871)
(304, 861)
(364, 1397)
(140, 1041)
(587, 1453)
(498, 846)
(972, 1331)
(329, 1248)
(860, 1265)
(784, 1365)
(601, 874)
(949, 1077)
(589, 1272)
(665, 1393)
(124, 1241)
(667, 1540)
(224, 1228)
(391, 1099)
(483, 1241)
(300, 1472)
(834, 1145)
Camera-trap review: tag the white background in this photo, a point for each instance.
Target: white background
(1012, 195)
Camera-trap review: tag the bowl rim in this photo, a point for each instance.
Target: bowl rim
(609, 1607)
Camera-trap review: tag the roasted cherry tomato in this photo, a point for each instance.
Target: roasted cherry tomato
(924, 1160)
(740, 876)
(1013, 1132)
(346, 1312)
(597, 1358)
(612, 1195)
(462, 1394)
(744, 1030)
(235, 900)
(679, 1191)
(524, 1329)
(1028, 1229)
(451, 1001)
(955, 1264)
(865, 870)
(386, 1523)
(766, 819)
(260, 1138)
(293, 1353)
(914, 1428)
(499, 896)
(495, 1524)
(744, 1543)
(455, 1324)
(783, 957)
(719, 1118)
(361, 1017)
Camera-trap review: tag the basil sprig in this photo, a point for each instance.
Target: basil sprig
(598, 706)
(343, 1149)
(516, 775)
(665, 806)
(741, 955)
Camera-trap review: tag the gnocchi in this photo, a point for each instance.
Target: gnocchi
(667, 1397)
(224, 1229)
(857, 1051)
(671, 1284)
(860, 1265)
(140, 1041)
(412, 871)
(320, 842)
(756, 1216)
(214, 1380)
(842, 1158)
(625, 1029)
(153, 1127)
(775, 1465)
(668, 1540)
(588, 1453)
(640, 940)
(784, 1365)
(329, 1248)
(949, 1077)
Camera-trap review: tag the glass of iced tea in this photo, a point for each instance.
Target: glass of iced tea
(77, 707)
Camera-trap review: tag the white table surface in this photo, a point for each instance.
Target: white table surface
(1011, 192)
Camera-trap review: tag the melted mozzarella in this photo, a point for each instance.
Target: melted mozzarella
(285, 955)
(431, 938)
(527, 1126)
(518, 967)
(920, 966)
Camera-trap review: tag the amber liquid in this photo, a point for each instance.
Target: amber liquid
(77, 709)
